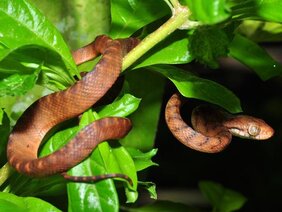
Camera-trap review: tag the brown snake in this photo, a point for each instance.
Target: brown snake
(55, 108)
(214, 128)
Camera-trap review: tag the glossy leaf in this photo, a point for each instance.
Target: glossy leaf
(142, 160)
(268, 10)
(192, 86)
(58, 140)
(31, 30)
(253, 56)
(26, 59)
(129, 16)
(124, 106)
(118, 160)
(173, 50)
(209, 11)
(99, 196)
(11, 202)
(222, 199)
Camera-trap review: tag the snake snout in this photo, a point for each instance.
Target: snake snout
(267, 133)
(261, 131)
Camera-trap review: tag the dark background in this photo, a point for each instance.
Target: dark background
(252, 168)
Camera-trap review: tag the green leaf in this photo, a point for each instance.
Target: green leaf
(173, 50)
(122, 107)
(142, 160)
(260, 31)
(16, 105)
(31, 31)
(267, 10)
(145, 119)
(254, 57)
(222, 199)
(100, 196)
(11, 202)
(151, 188)
(209, 11)
(118, 160)
(192, 86)
(51, 186)
(16, 84)
(131, 195)
(58, 140)
(130, 16)
(208, 44)
(26, 186)
(30, 27)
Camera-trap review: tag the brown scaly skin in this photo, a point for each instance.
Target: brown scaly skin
(214, 128)
(55, 108)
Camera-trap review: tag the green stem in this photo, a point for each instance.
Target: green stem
(179, 17)
(175, 3)
(5, 172)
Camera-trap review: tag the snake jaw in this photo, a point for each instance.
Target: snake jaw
(239, 132)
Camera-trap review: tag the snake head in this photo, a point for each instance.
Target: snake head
(251, 128)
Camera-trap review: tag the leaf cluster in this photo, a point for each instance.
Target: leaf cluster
(35, 60)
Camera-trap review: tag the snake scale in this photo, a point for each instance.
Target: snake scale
(47, 112)
(213, 127)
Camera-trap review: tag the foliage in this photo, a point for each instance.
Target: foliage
(33, 53)
(222, 199)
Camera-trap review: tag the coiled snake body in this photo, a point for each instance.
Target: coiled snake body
(213, 127)
(53, 109)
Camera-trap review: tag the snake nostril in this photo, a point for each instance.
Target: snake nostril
(254, 130)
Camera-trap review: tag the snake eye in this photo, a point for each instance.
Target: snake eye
(254, 130)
